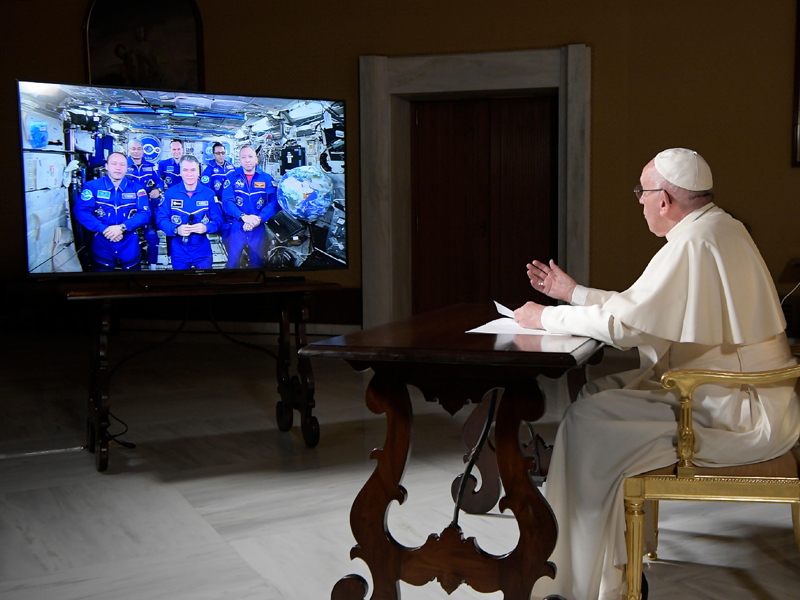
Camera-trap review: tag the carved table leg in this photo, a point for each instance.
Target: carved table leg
(448, 557)
(376, 546)
(286, 385)
(296, 391)
(308, 423)
(97, 419)
(482, 501)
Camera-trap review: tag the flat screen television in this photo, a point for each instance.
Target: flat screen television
(129, 180)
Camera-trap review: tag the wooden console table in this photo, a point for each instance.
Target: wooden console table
(433, 353)
(296, 392)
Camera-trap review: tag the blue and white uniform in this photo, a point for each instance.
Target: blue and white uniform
(214, 176)
(101, 205)
(146, 175)
(182, 207)
(240, 197)
(170, 172)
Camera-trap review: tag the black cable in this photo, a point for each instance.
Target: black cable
(56, 254)
(115, 436)
(233, 340)
(148, 348)
(474, 454)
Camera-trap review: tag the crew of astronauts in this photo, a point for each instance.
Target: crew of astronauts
(189, 211)
(214, 176)
(145, 173)
(113, 207)
(174, 197)
(249, 197)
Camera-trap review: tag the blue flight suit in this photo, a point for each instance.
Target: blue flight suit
(146, 175)
(257, 197)
(101, 205)
(170, 172)
(214, 177)
(180, 207)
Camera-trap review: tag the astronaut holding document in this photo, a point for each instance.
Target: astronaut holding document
(706, 300)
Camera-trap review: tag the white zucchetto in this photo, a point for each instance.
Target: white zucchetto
(684, 168)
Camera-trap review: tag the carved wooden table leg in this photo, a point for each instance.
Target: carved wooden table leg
(284, 409)
(448, 557)
(308, 423)
(482, 501)
(296, 391)
(97, 419)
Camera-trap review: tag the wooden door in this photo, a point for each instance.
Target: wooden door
(484, 198)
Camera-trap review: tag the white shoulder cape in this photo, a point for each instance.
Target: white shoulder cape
(707, 285)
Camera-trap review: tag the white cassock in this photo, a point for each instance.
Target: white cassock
(706, 300)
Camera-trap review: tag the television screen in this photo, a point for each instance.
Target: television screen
(130, 180)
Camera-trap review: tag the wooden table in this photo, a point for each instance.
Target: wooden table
(292, 297)
(433, 353)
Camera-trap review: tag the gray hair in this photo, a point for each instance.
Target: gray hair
(190, 158)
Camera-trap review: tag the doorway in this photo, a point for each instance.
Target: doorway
(484, 198)
(388, 86)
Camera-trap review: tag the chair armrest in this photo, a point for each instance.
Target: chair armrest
(686, 380)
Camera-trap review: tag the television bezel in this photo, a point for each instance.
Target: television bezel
(166, 274)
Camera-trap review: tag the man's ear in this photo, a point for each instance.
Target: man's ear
(664, 205)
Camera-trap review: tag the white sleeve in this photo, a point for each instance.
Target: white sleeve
(595, 322)
(583, 296)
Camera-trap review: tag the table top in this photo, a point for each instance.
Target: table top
(439, 337)
(188, 285)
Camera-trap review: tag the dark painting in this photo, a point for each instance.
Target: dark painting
(148, 43)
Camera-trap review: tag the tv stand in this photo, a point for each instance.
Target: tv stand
(296, 391)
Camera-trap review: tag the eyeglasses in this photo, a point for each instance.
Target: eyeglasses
(639, 192)
(220, 152)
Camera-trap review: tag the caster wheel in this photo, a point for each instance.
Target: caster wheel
(310, 429)
(284, 415)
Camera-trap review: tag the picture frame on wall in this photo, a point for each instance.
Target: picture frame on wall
(154, 44)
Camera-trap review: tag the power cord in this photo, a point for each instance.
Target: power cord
(234, 340)
(790, 293)
(115, 436)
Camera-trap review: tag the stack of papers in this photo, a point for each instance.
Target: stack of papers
(507, 325)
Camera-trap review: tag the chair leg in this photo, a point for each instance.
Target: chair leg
(796, 522)
(634, 538)
(654, 554)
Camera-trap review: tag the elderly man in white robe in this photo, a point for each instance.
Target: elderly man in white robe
(706, 300)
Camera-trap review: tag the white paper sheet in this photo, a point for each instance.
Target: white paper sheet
(507, 325)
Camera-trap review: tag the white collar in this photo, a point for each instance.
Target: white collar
(690, 218)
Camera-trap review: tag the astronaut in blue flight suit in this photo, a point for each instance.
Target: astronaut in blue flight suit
(249, 196)
(170, 169)
(114, 207)
(190, 211)
(146, 175)
(170, 172)
(214, 176)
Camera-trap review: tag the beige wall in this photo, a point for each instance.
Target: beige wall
(713, 75)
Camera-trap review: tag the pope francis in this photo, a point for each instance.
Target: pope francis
(705, 301)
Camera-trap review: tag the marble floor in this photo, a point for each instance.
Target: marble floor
(214, 502)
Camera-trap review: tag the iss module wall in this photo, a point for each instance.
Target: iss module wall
(49, 229)
(68, 133)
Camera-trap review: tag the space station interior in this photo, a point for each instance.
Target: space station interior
(68, 132)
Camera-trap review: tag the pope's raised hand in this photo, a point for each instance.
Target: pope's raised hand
(551, 280)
